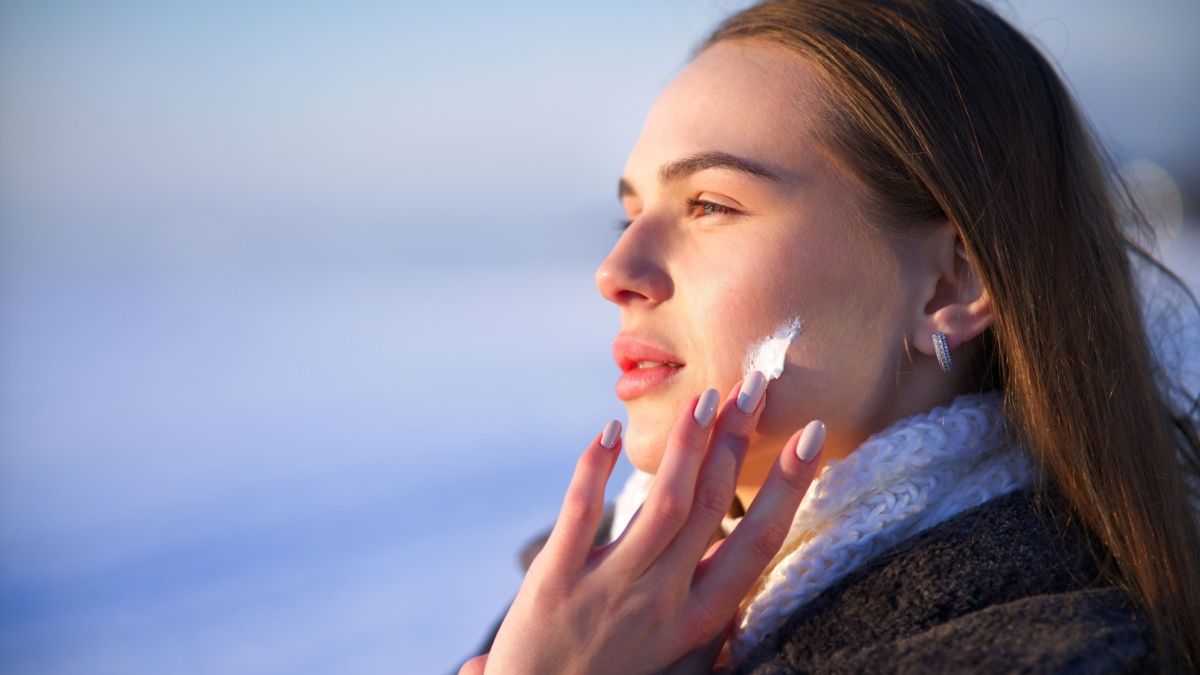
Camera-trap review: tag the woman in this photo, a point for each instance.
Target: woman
(907, 186)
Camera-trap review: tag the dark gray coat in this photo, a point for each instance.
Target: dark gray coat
(1009, 586)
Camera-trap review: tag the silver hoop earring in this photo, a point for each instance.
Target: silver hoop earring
(942, 348)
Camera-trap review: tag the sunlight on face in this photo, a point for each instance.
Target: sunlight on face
(740, 221)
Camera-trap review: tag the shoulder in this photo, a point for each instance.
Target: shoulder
(1093, 631)
(1011, 584)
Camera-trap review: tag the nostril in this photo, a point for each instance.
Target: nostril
(614, 285)
(634, 270)
(646, 285)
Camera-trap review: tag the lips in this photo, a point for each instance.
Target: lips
(644, 366)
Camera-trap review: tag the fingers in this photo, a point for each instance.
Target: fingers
(475, 666)
(718, 476)
(669, 503)
(727, 575)
(583, 506)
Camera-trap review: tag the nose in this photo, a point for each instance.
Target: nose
(635, 270)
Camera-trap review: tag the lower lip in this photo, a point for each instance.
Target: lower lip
(638, 381)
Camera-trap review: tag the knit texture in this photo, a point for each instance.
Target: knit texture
(911, 476)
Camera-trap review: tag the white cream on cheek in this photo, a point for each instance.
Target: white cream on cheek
(769, 355)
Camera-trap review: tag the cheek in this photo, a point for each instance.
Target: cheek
(739, 311)
(723, 309)
(843, 368)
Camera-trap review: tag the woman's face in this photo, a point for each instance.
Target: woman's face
(741, 222)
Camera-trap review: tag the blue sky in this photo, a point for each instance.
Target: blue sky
(188, 124)
(299, 333)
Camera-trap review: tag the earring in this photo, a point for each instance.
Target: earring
(942, 348)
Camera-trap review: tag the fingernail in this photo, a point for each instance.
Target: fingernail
(706, 407)
(810, 440)
(751, 393)
(612, 431)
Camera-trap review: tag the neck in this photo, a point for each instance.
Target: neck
(761, 456)
(840, 442)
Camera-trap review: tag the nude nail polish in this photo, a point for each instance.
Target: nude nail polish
(751, 393)
(706, 407)
(810, 440)
(612, 431)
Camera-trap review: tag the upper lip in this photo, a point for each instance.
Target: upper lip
(629, 350)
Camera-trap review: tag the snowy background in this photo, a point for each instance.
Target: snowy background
(298, 336)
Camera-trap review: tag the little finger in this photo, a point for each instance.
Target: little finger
(583, 506)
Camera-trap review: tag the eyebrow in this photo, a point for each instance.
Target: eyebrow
(690, 164)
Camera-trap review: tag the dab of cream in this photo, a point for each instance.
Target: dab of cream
(769, 355)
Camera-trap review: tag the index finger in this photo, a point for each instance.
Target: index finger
(583, 506)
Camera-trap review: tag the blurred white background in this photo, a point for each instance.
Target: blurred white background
(298, 336)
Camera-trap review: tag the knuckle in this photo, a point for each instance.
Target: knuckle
(734, 438)
(671, 509)
(683, 437)
(541, 588)
(473, 667)
(578, 509)
(738, 425)
(713, 500)
(739, 434)
(702, 623)
(591, 462)
(767, 540)
(796, 480)
(540, 565)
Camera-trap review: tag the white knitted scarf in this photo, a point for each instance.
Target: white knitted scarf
(915, 474)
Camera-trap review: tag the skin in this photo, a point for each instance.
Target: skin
(705, 286)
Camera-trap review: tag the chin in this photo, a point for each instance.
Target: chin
(643, 445)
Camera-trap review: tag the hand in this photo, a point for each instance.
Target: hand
(659, 598)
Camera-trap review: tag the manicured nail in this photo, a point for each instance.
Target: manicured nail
(751, 393)
(810, 440)
(612, 431)
(706, 407)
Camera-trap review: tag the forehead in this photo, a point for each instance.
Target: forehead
(747, 98)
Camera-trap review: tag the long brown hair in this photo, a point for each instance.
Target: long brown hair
(941, 109)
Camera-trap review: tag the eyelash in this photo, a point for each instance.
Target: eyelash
(717, 209)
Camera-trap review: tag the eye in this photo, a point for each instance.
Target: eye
(709, 208)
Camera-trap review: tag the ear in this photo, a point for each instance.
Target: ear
(952, 300)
